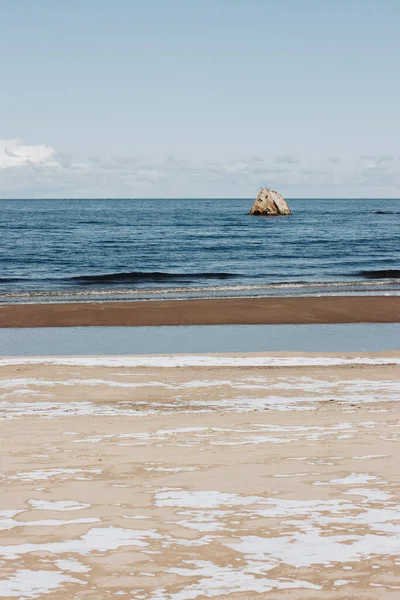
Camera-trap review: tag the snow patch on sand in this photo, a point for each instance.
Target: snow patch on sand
(353, 478)
(215, 580)
(33, 584)
(201, 499)
(101, 539)
(10, 523)
(71, 565)
(51, 410)
(58, 505)
(303, 549)
(41, 474)
(171, 361)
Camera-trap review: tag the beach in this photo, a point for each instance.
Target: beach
(192, 476)
(175, 428)
(199, 301)
(210, 311)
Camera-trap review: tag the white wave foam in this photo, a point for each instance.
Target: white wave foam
(210, 290)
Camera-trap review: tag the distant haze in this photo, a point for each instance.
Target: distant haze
(199, 98)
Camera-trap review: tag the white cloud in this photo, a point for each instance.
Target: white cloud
(288, 159)
(14, 153)
(382, 158)
(39, 171)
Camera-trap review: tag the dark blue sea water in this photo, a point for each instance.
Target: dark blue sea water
(117, 249)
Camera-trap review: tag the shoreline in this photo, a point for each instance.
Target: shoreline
(218, 311)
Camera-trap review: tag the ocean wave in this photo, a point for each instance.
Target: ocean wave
(381, 274)
(12, 279)
(126, 277)
(143, 276)
(209, 291)
(93, 222)
(385, 212)
(154, 277)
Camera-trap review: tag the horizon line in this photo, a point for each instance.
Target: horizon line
(250, 198)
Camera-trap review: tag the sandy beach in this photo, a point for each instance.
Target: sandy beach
(233, 311)
(183, 477)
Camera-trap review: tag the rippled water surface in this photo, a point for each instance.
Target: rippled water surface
(87, 249)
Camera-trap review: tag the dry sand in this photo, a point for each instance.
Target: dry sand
(135, 478)
(223, 311)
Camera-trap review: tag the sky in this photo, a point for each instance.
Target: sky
(199, 98)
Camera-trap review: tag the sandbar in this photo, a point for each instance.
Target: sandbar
(221, 311)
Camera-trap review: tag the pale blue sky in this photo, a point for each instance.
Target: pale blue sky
(199, 97)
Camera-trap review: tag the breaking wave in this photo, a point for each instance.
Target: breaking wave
(213, 291)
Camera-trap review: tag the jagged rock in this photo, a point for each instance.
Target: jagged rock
(269, 202)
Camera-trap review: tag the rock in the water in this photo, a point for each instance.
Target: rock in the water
(269, 202)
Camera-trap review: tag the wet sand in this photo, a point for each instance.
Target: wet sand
(234, 311)
(184, 477)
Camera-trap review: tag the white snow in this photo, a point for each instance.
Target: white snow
(41, 474)
(215, 580)
(199, 361)
(354, 478)
(33, 584)
(58, 505)
(300, 549)
(71, 565)
(100, 539)
(201, 499)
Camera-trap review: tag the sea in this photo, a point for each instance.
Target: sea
(119, 249)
